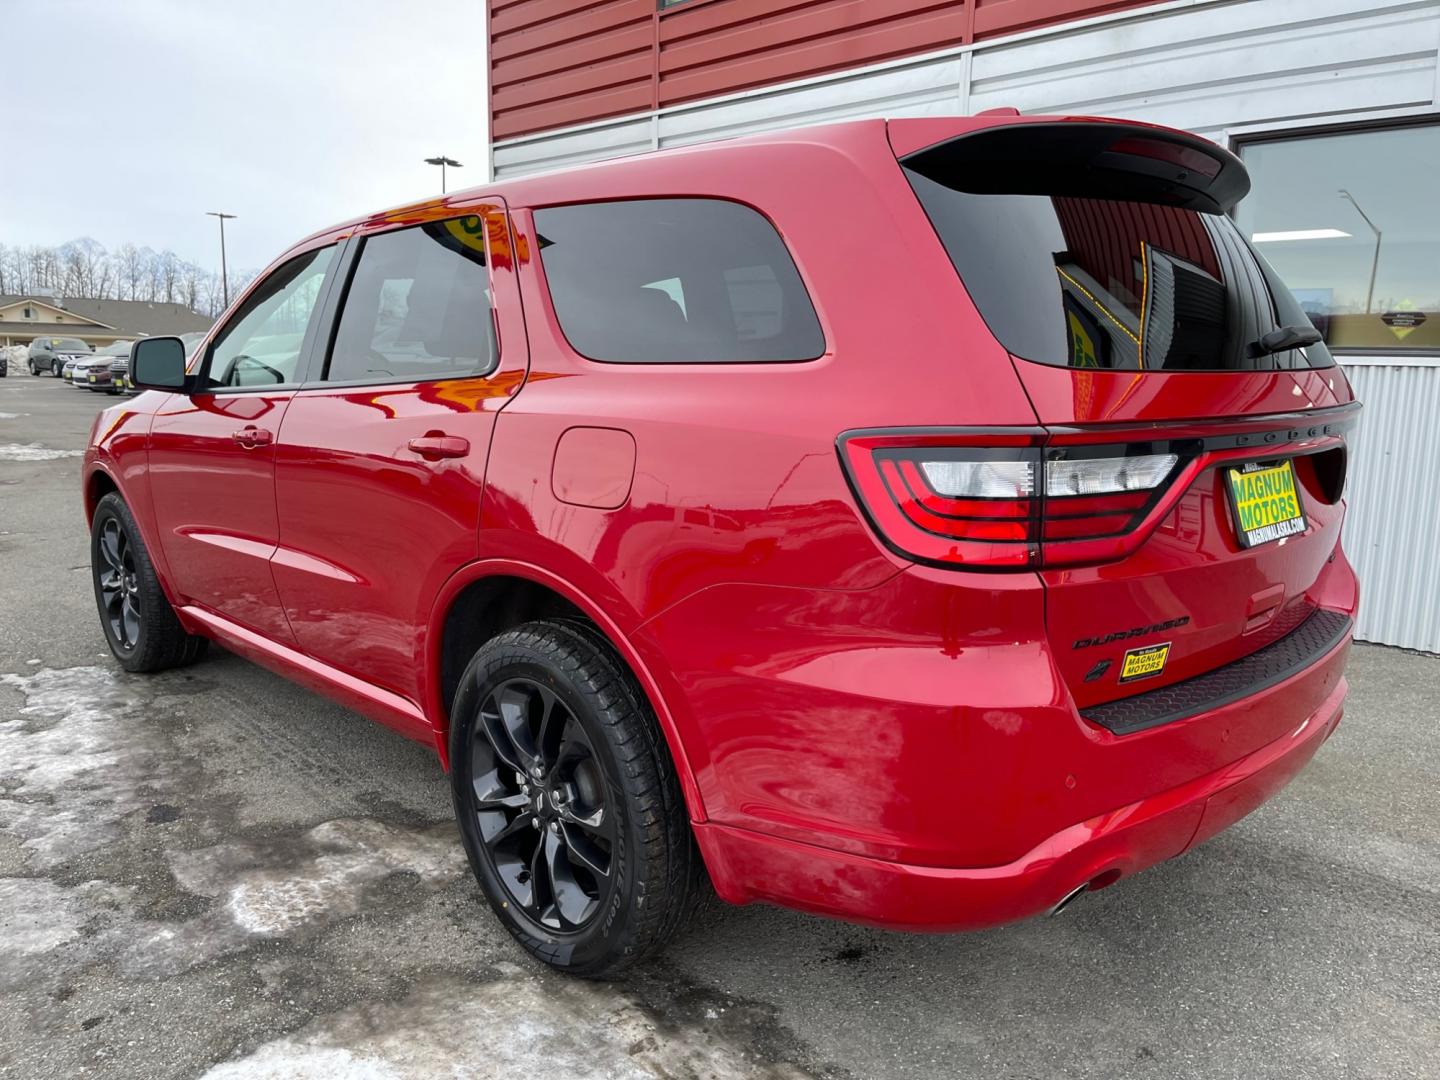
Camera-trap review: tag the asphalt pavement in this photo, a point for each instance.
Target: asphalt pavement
(215, 873)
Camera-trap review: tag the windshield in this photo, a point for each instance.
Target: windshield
(69, 344)
(1077, 279)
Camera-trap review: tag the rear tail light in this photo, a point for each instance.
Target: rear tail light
(1004, 500)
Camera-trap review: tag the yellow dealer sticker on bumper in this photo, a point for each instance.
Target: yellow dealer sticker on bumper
(1144, 662)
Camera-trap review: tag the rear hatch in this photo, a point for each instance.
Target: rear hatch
(1191, 456)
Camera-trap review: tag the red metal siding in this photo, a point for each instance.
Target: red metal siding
(554, 63)
(996, 17)
(720, 47)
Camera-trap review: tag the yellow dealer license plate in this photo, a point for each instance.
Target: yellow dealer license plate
(1266, 502)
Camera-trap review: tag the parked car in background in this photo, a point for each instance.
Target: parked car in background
(50, 353)
(92, 373)
(4, 363)
(115, 353)
(921, 522)
(75, 371)
(120, 365)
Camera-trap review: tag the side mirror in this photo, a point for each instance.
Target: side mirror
(158, 363)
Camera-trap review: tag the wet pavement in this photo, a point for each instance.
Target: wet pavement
(215, 873)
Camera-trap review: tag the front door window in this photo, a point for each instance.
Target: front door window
(261, 345)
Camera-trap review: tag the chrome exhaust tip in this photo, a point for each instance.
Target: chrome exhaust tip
(1069, 898)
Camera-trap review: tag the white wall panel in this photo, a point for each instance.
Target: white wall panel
(1392, 533)
(918, 89)
(1223, 65)
(572, 146)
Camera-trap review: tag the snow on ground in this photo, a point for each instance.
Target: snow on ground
(34, 452)
(515, 1025)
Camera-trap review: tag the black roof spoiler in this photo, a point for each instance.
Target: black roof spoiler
(1098, 159)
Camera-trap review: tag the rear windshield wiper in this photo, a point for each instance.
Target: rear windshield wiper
(1284, 337)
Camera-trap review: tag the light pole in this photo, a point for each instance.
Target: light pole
(224, 274)
(1375, 262)
(442, 161)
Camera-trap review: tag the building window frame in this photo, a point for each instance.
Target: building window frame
(1237, 140)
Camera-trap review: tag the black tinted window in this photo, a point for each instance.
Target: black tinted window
(418, 307)
(1089, 282)
(675, 280)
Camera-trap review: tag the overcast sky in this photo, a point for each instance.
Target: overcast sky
(126, 120)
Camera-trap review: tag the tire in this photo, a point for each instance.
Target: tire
(138, 622)
(605, 818)
(56, 368)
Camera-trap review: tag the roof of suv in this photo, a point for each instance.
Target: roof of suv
(595, 179)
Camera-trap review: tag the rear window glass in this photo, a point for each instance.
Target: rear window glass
(675, 280)
(1091, 282)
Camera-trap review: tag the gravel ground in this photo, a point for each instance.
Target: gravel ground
(215, 873)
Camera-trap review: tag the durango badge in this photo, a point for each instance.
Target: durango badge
(1144, 662)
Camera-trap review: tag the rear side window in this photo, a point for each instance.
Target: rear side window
(675, 280)
(418, 307)
(1065, 275)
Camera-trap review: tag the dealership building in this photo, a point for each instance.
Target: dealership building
(1334, 105)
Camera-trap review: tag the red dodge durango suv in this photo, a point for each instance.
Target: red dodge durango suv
(916, 522)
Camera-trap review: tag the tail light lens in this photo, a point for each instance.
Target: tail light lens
(1003, 500)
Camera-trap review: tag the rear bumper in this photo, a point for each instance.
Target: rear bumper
(751, 866)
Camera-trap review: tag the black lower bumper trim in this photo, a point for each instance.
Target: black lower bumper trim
(1276, 662)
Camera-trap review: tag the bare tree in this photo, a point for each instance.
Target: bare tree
(130, 268)
(168, 276)
(85, 270)
(191, 278)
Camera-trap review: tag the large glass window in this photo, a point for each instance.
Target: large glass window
(261, 345)
(418, 307)
(1351, 223)
(675, 280)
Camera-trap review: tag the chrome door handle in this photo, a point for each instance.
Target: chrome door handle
(434, 447)
(252, 437)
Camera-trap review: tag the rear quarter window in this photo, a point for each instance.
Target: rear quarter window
(675, 281)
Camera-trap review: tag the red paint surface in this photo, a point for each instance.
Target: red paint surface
(855, 734)
(552, 66)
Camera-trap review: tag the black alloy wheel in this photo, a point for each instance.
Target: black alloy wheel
(542, 807)
(140, 626)
(568, 802)
(119, 585)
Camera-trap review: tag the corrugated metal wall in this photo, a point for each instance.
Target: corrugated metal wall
(1392, 533)
(1205, 65)
(555, 63)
